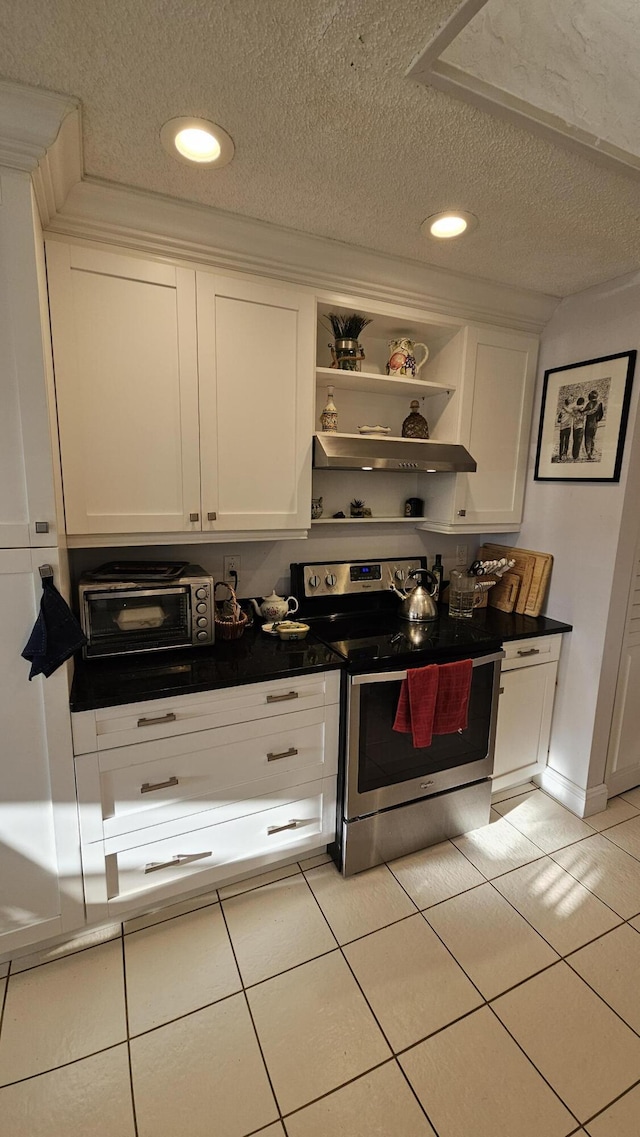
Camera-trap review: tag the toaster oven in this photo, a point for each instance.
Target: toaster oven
(132, 606)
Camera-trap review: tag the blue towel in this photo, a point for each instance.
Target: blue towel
(56, 633)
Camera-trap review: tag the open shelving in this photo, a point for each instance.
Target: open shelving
(373, 383)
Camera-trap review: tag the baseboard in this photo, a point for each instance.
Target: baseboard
(622, 781)
(582, 802)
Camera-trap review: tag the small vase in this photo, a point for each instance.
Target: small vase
(329, 416)
(346, 355)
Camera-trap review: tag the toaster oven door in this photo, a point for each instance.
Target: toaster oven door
(117, 622)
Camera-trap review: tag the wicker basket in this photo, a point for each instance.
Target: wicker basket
(229, 620)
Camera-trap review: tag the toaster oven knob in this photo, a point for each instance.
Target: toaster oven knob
(201, 635)
(201, 607)
(201, 621)
(314, 581)
(201, 593)
(330, 579)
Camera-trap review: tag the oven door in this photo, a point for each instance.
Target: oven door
(119, 621)
(383, 767)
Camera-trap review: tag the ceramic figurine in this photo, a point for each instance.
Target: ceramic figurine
(316, 508)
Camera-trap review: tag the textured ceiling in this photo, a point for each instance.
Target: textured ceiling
(330, 135)
(577, 60)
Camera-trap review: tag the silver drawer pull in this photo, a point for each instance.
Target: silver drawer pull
(281, 828)
(170, 717)
(285, 754)
(282, 698)
(181, 859)
(149, 787)
(531, 651)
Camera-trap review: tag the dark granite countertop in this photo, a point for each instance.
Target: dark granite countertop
(254, 658)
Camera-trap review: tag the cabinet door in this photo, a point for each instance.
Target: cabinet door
(124, 342)
(623, 758)
(26, 460)
(524, 723)
(499, 378)
(256, 365)
(39, 845)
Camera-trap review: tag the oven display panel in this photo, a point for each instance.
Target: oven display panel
(359, 573)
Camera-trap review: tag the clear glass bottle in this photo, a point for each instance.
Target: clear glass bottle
(329, 416)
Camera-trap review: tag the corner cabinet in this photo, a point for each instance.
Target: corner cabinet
(184, 397)
(475, 389)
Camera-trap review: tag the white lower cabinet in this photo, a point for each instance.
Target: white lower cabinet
(527, 691)
(233, 781)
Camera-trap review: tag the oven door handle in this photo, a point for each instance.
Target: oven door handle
(390, 676)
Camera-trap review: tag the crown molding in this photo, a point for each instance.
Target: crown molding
(165, 227)
(40, 133)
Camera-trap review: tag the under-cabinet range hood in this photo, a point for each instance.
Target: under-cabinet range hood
(367, 452)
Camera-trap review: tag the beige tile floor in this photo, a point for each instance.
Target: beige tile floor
(486, 987)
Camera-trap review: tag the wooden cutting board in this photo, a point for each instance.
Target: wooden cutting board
(533, 569)
(504, 593)
(524, 569)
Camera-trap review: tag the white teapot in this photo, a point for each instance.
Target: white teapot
(275, 607)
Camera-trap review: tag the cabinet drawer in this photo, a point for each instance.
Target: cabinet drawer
(154, 782)
(165, 718)
(303, 818)
(526, 653)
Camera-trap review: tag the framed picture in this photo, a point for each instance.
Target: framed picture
(583, 420)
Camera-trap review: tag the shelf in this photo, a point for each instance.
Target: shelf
(380, 384)
(366, 520)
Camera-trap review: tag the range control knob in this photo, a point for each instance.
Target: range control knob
(201, 607)
(314, 581)
(201, 635)
(201, 593)
(330, 579)
(399, 574)
(201, 621)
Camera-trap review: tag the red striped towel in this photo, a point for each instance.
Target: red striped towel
(434, 700)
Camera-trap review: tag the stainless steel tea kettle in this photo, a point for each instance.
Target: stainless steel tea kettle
(418, 604)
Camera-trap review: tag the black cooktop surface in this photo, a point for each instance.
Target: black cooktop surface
(383, 638)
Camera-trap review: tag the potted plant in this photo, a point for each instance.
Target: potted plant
(356, 508)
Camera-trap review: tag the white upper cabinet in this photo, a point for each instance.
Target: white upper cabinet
(27, 494)
(256, 403)
(499, 383)
(179, 415)
(124, 346)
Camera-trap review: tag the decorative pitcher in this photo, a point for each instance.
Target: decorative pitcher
(275, 607)
(402, 358)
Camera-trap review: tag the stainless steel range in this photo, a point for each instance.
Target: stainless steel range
(393, 797)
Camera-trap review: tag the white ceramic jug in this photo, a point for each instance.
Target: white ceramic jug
(402, 357)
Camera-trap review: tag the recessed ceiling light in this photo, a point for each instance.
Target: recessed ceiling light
(451, 223)
(198, 142)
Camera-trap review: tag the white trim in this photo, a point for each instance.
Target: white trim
(582, 802)
(107, 540)
(40, 133)
(622, 781)
(197, 234)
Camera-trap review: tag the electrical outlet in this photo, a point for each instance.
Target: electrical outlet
(231, 565)
(462, 553)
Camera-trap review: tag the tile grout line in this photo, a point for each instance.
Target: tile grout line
(251, 1018)
(406, 1078)
(4, 996)
(65, 955)
(532, 1063)
(356, 980)
(126, 1015)
(614, 1102)
(64, 1065)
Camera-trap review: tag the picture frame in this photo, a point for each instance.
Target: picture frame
(583, 419)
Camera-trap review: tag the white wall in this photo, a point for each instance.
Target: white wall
(265, 564)
(581, 525)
